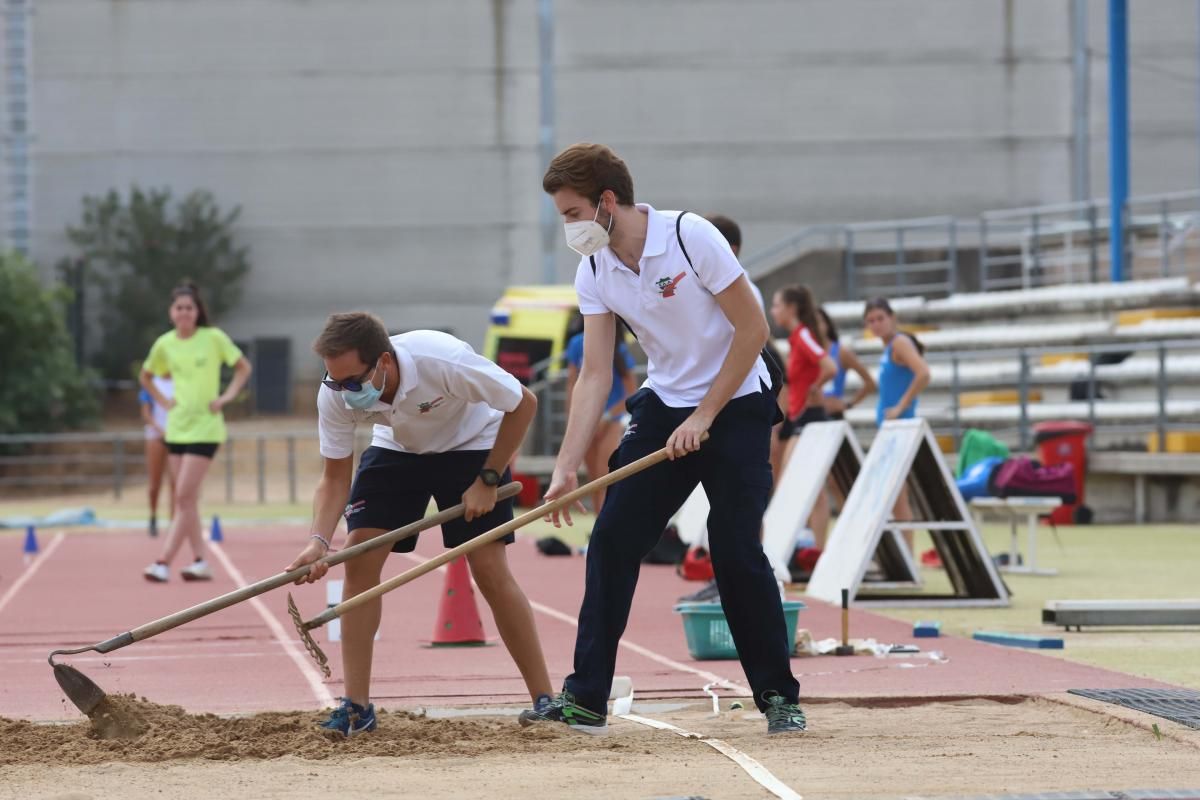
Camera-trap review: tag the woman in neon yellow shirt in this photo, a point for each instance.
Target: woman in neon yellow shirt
(192, 354)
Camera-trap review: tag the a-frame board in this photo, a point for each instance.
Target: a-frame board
(826, 450)
(905, 453)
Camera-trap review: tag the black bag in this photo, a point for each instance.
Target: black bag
(669, 550)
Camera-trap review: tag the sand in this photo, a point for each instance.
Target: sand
(852, 751)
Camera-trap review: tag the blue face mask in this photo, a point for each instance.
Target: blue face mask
(368, 395)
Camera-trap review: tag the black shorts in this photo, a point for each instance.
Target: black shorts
(204, 449)
(393, 489)
(810, 414)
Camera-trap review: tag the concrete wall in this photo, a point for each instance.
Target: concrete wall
(385, 151)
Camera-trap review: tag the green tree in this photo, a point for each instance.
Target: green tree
(42, 390)
(136, 250)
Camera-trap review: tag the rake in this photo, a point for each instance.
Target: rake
(463, 549)
(86, 695)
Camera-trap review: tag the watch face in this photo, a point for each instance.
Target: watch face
(490, 477)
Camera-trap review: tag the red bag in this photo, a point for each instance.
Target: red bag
(1023, 477)
(696, 565)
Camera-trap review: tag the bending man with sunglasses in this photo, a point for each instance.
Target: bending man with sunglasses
(447, 422)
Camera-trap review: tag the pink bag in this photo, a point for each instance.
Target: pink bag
(1023, 477)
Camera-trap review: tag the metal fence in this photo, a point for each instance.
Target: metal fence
(1027, 358)
(249, 467)
(1020, 248)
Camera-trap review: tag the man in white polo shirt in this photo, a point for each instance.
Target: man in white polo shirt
(447, 422)
(673, 279)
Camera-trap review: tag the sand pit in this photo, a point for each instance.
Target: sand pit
(853, 751)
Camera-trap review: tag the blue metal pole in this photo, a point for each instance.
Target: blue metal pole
(1118, 132)
(546, 119)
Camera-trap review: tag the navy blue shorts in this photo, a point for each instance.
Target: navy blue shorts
(393, 489)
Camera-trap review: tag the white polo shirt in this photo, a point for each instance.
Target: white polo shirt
(450, 398)
(671, 306)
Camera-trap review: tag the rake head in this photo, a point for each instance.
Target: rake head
(79, 688)
(310, 644)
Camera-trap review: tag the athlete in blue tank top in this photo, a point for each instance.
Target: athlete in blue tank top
(903, 373)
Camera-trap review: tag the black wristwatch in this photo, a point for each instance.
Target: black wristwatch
(489, 477)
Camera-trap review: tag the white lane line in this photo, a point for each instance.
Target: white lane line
(670, 663)
(712, 678)
(763, 776)
(31, 570)
(300, 658)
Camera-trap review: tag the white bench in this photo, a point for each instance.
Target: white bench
(1014, 509)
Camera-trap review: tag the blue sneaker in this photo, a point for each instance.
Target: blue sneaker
(350, 719)
(563, 708)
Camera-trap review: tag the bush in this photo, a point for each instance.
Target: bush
(42, 390)
(136, 251)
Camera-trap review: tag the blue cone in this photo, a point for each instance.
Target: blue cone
(31, 544)
(216, 535)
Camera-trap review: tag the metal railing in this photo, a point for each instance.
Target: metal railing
(1019, 248)
(253, 467)
(1028, 357)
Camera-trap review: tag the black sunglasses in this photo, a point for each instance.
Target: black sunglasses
(349, 384)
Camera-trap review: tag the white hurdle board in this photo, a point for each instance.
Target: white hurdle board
(905, 454)
(826, 450)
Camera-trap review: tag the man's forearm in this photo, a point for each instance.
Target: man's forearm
(329, 502)
(743, 352)
(513, 427)
(587, 404)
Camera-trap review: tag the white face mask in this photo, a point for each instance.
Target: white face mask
(587, 237)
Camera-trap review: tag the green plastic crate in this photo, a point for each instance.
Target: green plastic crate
(708, 636)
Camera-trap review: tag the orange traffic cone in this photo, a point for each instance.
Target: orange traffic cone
(458, 623)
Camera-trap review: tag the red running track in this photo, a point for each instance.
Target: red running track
(87, 587)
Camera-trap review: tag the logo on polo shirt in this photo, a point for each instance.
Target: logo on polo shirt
(429, 405)
(666, 286)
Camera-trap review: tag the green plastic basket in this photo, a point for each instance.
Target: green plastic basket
(708, 636)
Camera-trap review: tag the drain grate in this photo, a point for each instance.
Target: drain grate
(1177, 705)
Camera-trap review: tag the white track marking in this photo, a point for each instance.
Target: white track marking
(288, 643)
(763, 776)
(32, 569)
(713, 678)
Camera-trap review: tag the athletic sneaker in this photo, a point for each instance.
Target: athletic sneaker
(782, 716)
(196, 571)
(157, 573)
(350, 719)
(562, 708)
(709, 594)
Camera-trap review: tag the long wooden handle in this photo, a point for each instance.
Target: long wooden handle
(486, 538)
(282, 579)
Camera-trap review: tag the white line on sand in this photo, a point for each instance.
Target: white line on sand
(32, 569)
(761, 775)
(754, 769)
(288, 643)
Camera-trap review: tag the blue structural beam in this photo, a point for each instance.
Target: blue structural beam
(1118, 131)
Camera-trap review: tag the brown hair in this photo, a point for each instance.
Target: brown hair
(189, 289)
(589, 169)
(881, 304)
(801, 299)
(728, 228)
(357, 330)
